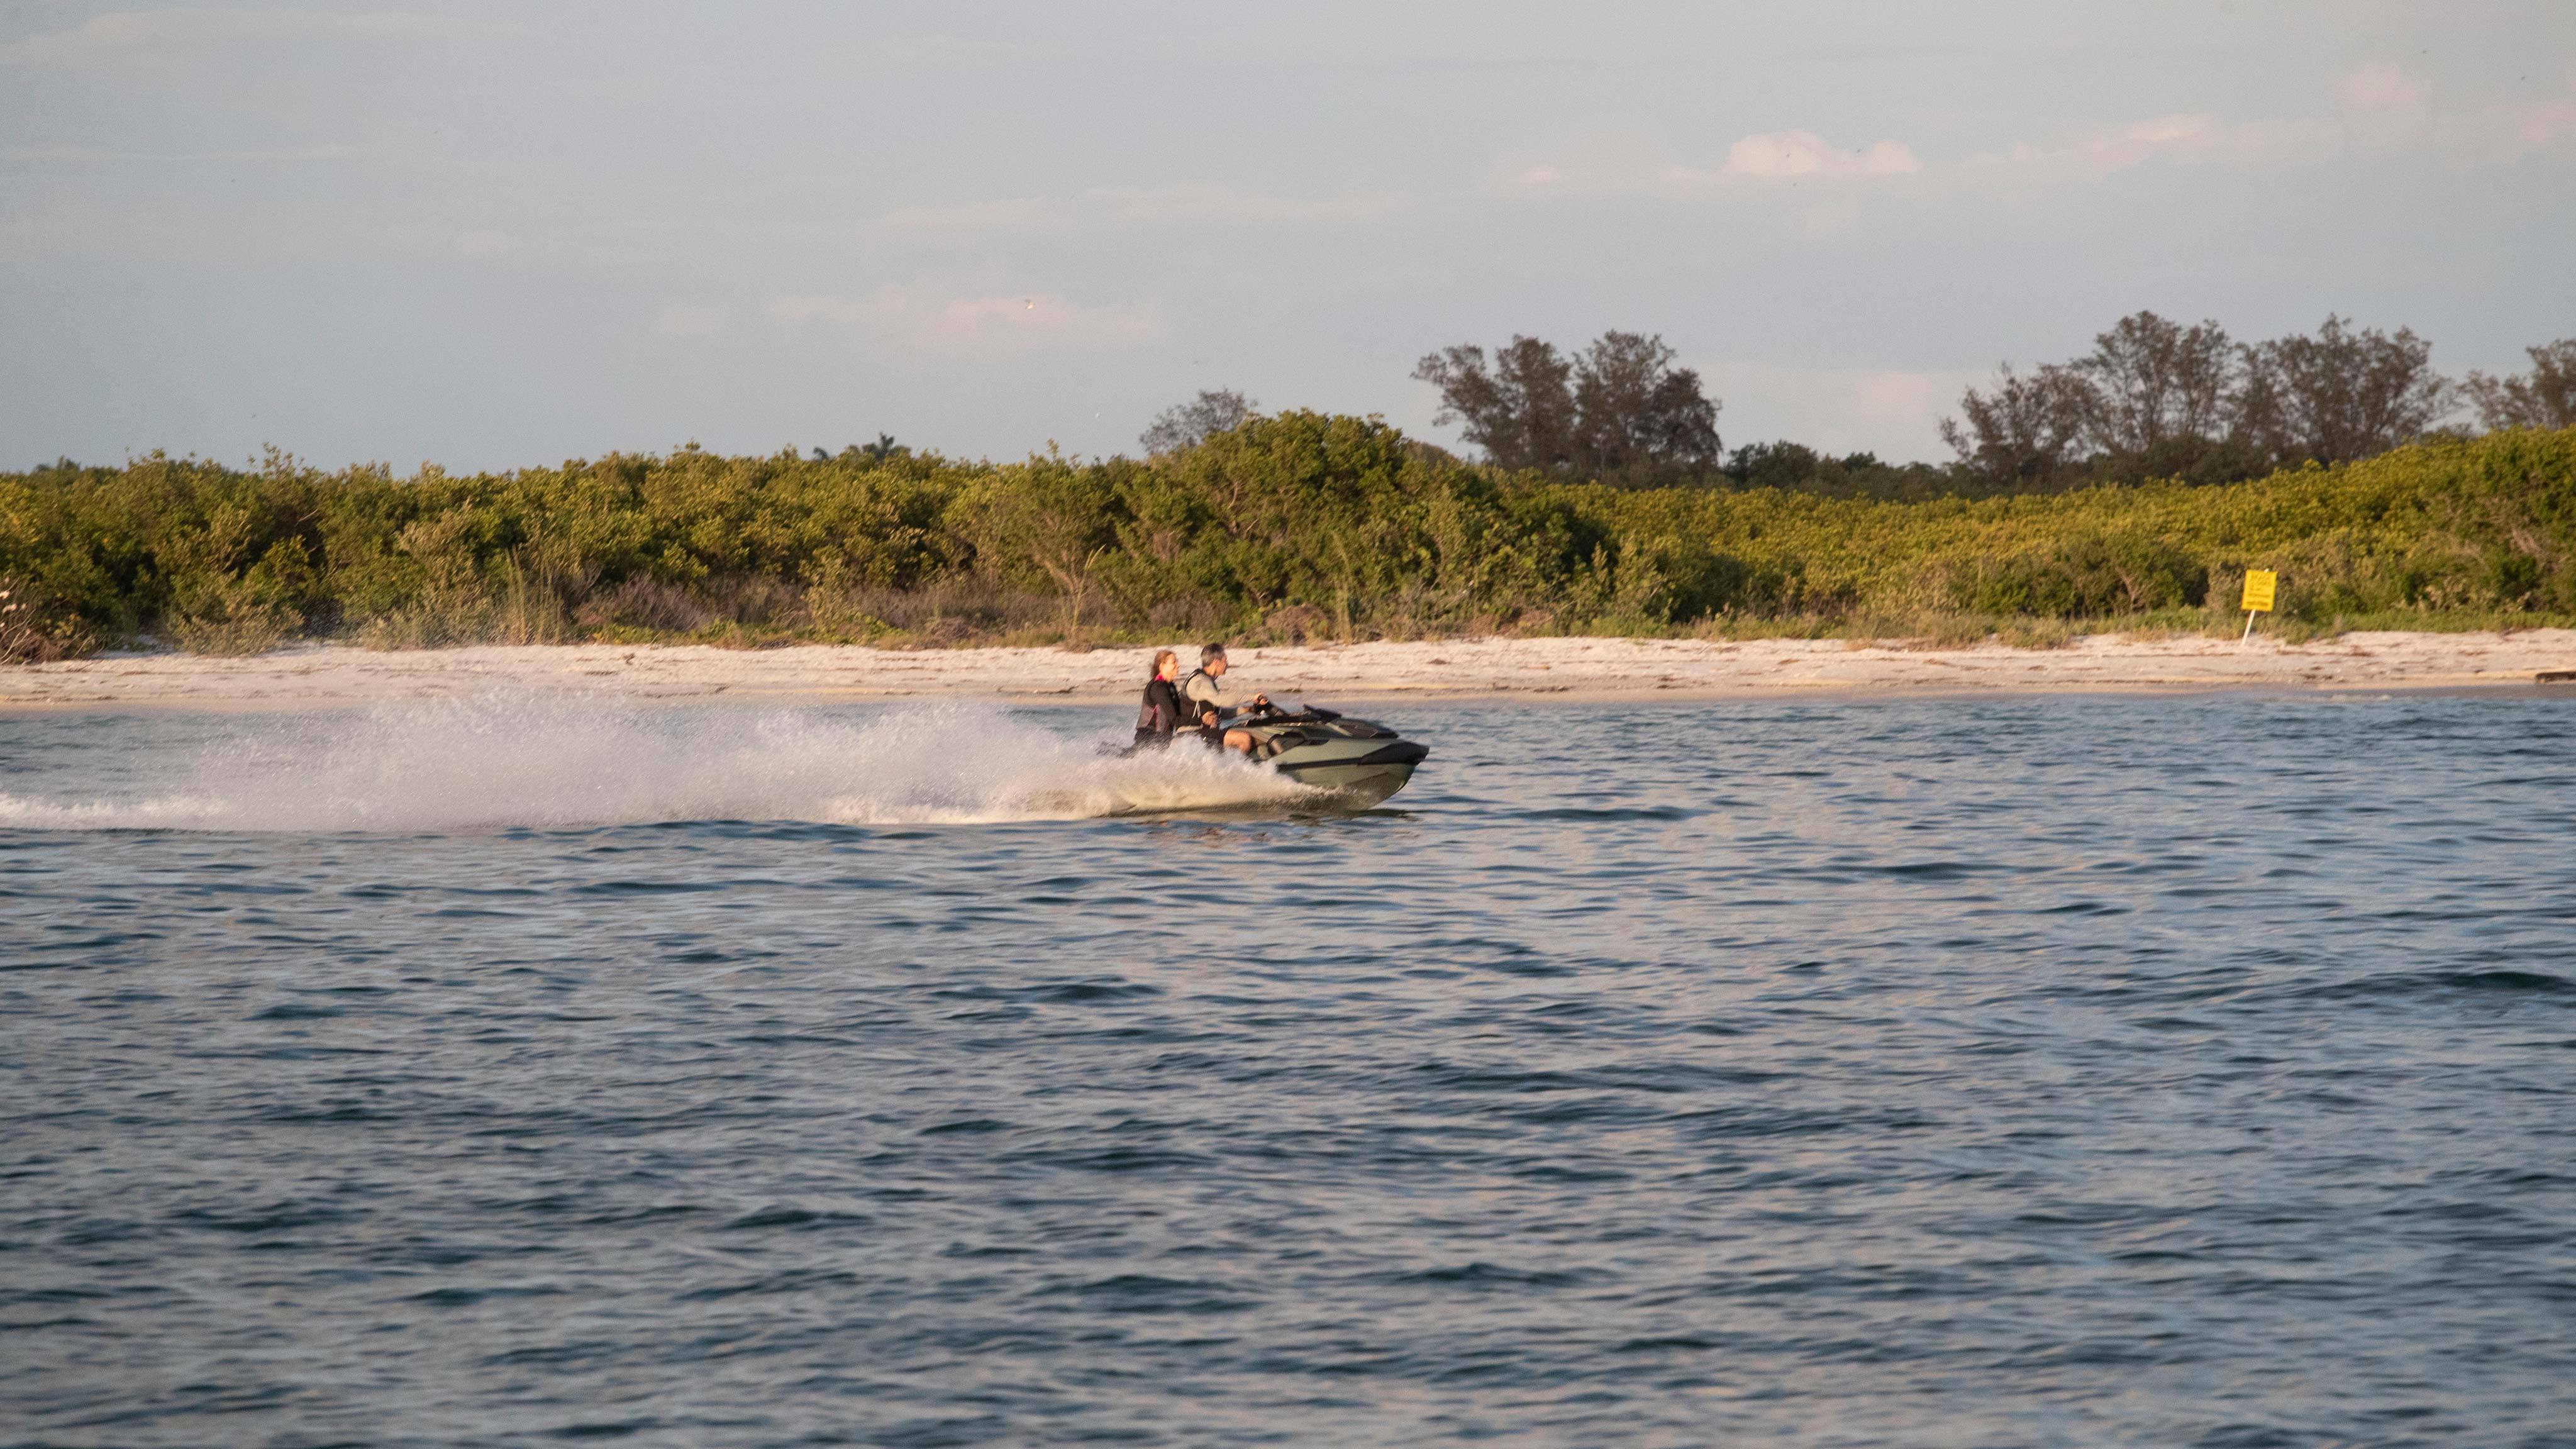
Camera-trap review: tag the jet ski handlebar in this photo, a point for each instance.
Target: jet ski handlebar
(1269, 713)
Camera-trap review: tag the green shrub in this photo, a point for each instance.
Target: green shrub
(35, 628)
(1300, 526)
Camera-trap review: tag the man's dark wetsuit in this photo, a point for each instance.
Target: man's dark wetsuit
(1160, 714)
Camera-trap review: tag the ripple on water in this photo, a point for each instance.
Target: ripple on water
(1975, 1071)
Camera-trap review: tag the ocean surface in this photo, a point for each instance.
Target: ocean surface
(1979, 1072)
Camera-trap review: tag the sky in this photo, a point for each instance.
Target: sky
(494, 235)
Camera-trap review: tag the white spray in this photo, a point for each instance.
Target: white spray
(499, 761)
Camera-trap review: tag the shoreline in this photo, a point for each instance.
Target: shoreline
(1571, 670)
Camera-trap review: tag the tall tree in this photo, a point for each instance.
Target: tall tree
(2024, 433)
(1186, 425)
(2154, 382)
(1618, 411)
(1638, 417)
(2344, 393)
(2545, 397)
(1521, 411)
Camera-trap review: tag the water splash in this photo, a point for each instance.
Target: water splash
(500, 761)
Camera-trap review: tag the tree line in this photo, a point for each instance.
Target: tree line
(2153, 399)
(1283, 527)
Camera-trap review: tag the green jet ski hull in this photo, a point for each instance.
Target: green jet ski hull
(1353, 758)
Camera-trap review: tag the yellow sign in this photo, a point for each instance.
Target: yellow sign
(2258, 590)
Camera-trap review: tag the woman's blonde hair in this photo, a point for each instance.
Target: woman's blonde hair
(1159, 656)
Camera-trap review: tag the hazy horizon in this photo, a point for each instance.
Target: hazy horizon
(484, 237)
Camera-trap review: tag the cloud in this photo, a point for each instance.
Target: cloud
(2391, 110)
(2381, 89)
(123, 35)
(1630, 163)
(1617, 163)
(2502, 135)
(1822, 185)
(1118, 207)
(1012, 324)
(2184, 139)
(2381, 109)
(1785, 154)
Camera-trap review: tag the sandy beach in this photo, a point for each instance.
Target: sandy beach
(323, 676)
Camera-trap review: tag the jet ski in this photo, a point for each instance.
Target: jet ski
(1352, 758)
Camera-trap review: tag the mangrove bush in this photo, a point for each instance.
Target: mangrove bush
(1296, 526)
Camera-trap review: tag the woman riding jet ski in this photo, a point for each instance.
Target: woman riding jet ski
(1352, 758)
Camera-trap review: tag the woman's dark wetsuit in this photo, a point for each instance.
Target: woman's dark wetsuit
(1160, 715)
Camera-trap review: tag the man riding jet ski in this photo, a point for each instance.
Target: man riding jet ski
(1205, 690)
(1352, 758)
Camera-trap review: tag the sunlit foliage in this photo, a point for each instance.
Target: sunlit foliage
(1296, 526)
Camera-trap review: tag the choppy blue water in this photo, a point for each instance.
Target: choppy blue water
(2038, 1071)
